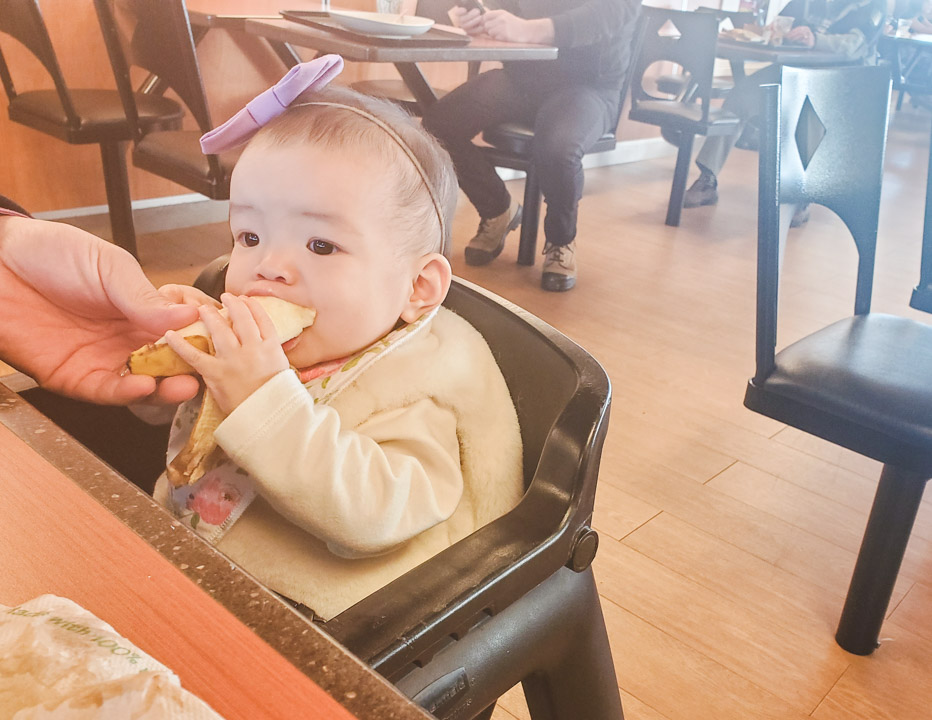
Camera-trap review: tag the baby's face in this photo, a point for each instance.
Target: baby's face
(310, 225)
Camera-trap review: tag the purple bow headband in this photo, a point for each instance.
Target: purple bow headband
(313, 75)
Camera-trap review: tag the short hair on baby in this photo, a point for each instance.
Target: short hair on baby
(334, 127)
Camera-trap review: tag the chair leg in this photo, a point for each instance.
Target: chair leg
(579, 681)
(553, 640)
(119, 201)
(680, 176)
(527, 248)
(888, 527)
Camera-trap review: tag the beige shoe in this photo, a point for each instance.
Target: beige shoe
(490, 238)
(559, 272)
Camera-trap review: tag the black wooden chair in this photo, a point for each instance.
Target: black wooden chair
(680, 86)
(511, 145)
(693, 49)
(862, 382)
(515, 601)
(157, 37)
(910, 75)
(80, 116)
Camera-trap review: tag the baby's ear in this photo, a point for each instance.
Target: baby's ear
(430, 286)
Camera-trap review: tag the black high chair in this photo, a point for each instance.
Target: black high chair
(516, 600)
(864, 381)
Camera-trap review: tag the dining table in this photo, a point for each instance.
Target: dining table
(71, 526)
(739, 52)
(406, 57)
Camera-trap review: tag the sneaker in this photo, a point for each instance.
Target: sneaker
(489, 240)
(559, 267)
(702, 192)
(800, 216)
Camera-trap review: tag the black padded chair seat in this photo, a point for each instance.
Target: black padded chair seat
(517, 138)
(100, 111)
(674, 112)
(176, 155)
(676, 84)
(394, 90)
(864, 382)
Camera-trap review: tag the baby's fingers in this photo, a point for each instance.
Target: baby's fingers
(242, 320)
(186, 351)
(263, 321)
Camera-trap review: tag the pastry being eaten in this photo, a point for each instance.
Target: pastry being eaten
(200, 453)
(159, 360)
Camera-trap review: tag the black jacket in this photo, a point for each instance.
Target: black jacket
(594, 38)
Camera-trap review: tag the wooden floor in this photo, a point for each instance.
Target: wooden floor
(727, 539)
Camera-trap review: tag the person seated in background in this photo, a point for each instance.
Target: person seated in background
(922, 23)
(384, 432)
(845, 27)
(570, 102)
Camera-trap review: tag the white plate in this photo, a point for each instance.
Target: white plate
(382, 24)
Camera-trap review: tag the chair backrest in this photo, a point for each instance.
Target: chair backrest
(691, 46)
(157, 37)
(22, 19)
(823, 134)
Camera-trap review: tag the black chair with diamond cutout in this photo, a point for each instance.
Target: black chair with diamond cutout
(691, 45)
(80, 116)
(862, 382)
(157, 37)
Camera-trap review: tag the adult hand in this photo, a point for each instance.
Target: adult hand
(502, 25)
(469, 21)
(75, 306)
(801, 35)
(247, 351)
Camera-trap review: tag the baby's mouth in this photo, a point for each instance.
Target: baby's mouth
(290, 344)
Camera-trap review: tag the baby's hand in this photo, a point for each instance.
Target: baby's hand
(187, 295)
(247, 352)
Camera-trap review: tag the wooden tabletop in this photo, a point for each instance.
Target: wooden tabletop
(363, 50)
(71, 526)
(796, 56)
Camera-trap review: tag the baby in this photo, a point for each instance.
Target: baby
(384, 432)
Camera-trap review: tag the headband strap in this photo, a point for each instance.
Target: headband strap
(406, 149)
(268, 105)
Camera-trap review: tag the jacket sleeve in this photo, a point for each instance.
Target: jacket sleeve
(361, 491)
(582, 23)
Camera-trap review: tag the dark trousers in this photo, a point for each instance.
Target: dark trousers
(744, 101)
(567, 121)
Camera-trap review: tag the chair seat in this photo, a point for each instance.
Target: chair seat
(676, 84)
(515, 138)
(395, 90)
(101, 112)
(684, 116)
(863, 382)
(176, 155)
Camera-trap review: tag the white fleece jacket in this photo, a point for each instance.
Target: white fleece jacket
(419, 451)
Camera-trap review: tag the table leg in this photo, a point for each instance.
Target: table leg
(922, 293)
(417, 83)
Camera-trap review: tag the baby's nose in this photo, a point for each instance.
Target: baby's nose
(276, 267)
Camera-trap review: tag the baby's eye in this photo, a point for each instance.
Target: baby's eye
(320, 247)
(249, 239)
